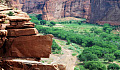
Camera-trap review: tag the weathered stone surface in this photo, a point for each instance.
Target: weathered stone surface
(21, 26)
(22, 32)
(3, 26)
(3, 34)
(21, 40)
(2, 15)
(17, 18)
(92, 10)
(35, 46)
(19, 64)
(105, 10)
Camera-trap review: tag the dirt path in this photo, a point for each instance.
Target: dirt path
(65, 58)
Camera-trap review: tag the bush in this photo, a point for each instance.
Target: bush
(87, 57)
(113, 67)
(117, 54)
(107, 28)
(79, 22)
(52, 23)
(109, 57)
(94, 65)
(74, 54)
(39, 17)
(68, 42)
(10, 13)
(43, 22)
(76, 68)
(55, 48)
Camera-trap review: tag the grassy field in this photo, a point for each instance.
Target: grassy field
(77, 28)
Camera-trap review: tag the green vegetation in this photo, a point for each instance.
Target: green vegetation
(99, 42)
(52, 23)
(10, 13)
(43, 22)
(94, 65)
(113, 67)
(55, 48)
(39, 16)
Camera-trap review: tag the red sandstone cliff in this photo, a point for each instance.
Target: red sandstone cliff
(93, 10)
(52, 9)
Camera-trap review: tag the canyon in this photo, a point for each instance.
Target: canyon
(95, 11)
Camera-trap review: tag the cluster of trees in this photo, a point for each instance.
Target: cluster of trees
(96, 65)
(71, 22)
(37, 19)
(97, 43)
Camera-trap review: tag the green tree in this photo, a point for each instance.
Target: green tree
(94, 65)
(88, 57)
(70, 22)
(39, 17)
(107, 28)
(113, 67)
(43, 22)
(79, 22)
(117, 54)
(68, 42)
(52, 22)
(109, 57)
(93, 29)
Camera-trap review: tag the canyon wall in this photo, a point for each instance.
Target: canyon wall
(52, 9)
(92, 10)
(105, 10)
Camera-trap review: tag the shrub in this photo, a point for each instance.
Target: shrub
(94, 65)
(117, 54)
(79, 22)
(76, 68)
(52, 23)
(43, 22)
(55, 48)
(74, 54)
(109, 57)
(10, 13)
(113, 67)
(39, 17)
(87, 57)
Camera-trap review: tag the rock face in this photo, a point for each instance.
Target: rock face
(105, 10)
(52, 9)
(92, 10)
(19, 39)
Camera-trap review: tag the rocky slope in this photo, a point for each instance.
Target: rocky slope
(93, 10)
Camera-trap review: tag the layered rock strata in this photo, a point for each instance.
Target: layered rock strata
(93, 10)
(19, 39)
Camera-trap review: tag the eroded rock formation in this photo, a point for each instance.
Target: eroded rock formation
(92, 10)
(19, 39)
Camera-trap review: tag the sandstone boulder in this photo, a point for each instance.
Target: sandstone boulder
(35, 46)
